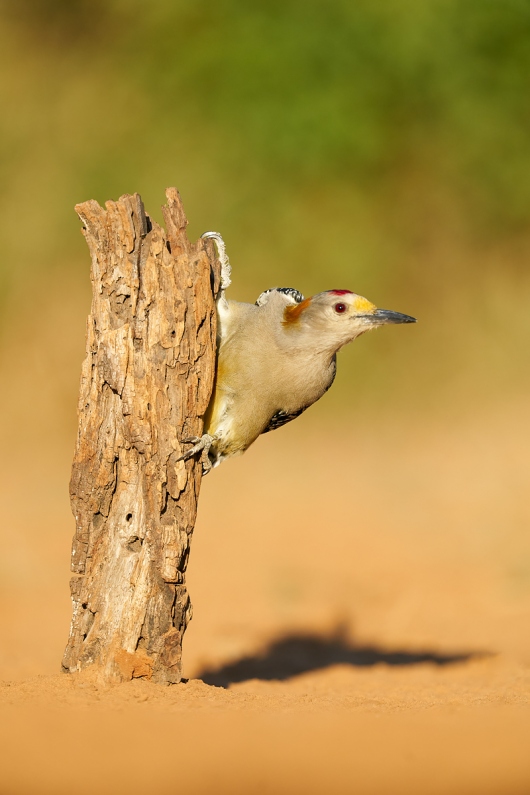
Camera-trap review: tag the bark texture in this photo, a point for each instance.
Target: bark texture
(145, 386)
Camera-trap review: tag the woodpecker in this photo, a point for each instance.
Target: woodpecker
(275, 358)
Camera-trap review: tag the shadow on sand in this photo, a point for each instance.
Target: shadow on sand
(299, 653)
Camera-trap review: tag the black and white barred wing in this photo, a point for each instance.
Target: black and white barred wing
(282, 418)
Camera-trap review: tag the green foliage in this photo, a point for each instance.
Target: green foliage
(335, 144)
(310, 91)
(352, 90)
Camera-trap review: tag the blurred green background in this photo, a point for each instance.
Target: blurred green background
(376, 145)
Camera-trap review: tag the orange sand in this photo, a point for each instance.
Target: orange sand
(361, 623)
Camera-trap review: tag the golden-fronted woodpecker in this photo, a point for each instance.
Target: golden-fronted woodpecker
(275, 358)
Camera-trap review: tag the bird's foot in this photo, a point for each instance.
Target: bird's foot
(201, 444)
(226, 269)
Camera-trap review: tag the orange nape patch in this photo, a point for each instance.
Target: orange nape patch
(292, 314)
(363, 305)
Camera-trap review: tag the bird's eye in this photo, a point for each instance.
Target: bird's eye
(340, 308)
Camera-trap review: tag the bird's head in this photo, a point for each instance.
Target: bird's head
(336, 317)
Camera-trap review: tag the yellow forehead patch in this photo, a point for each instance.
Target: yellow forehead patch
(363, 305)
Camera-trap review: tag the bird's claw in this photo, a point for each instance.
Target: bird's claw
(201, 444)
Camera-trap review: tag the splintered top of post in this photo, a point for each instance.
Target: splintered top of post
(176, 222)
(130, 209)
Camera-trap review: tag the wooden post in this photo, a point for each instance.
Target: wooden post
(145, 386)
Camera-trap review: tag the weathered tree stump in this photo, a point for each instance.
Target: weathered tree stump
(145, 385)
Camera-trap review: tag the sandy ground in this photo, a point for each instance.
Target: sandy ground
(361, 622)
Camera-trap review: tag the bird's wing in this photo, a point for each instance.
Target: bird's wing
(294, 296)
(282, 418)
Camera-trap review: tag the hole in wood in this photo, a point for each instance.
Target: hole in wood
(128, 518)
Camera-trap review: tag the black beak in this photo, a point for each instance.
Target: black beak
(383, 316)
